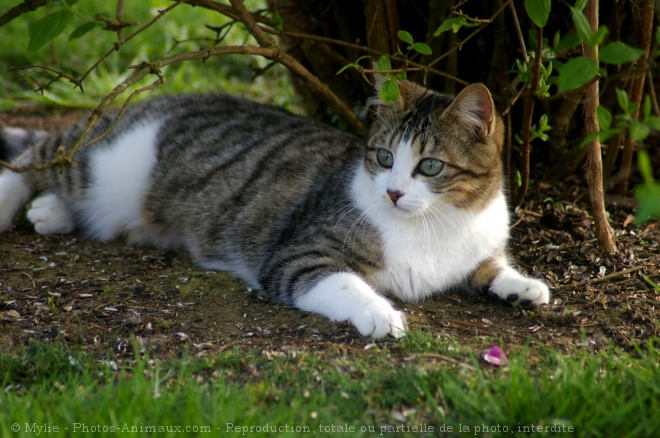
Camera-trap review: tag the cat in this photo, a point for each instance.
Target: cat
(316, 218)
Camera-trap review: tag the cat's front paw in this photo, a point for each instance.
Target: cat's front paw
(346, 296)
(512, 287)
(379, 319)
(50, 215)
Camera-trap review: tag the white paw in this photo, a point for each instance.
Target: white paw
(14, 193)
(345, 296)
(50, 215)
(379, 319)
(509, 285)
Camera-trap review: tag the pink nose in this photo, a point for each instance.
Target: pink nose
(394, 195)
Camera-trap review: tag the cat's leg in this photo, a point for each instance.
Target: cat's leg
(345, 296)
(15, 192)
(50, 215)
(496, 277)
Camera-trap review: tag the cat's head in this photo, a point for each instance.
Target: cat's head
(428, 149)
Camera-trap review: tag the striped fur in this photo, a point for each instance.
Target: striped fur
(297, 209)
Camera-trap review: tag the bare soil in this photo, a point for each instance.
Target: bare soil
(103, 297)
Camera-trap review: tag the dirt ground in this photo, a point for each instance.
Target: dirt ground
(99, 297)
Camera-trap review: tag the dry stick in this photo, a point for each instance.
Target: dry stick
(602, 279)
(654, 97)
(637, 88)
(521, 38)
(528, 112)
(604, 234)
(120, 15)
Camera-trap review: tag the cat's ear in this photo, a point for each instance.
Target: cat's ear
(474, 109)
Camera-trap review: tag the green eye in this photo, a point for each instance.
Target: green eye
(385, 158)
(430, 167)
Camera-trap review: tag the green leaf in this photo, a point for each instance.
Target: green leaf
(389, 91)
(588, 139)
(622, 98)
(538, 11)
(639, 131)
(576, 72)
(353, 64)
(580, 4)
(648, 198)
(384, 63)
(82, 30)
(454, 23)
(598, 36)
(44, 30)
(653, 122)
(422, 48)
(582, 26)
(404, 36)
(568, 42)
(644, 164)
(604, 117)
(646, 108)
(400, 76)
(619, 52)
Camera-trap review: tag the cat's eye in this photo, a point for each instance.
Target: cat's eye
(385, 158)
(430, 167)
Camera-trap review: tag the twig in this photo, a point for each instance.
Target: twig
(246, 18)
(473, 20)
(65, 156)
(18, 10)
(470, 36)
(521, 39)
(637, 90)
(528, 113)
(161, 80)
(119, 44)
(601, 279)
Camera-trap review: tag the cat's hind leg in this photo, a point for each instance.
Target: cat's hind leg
(345, 296)
(496, 277)
(15, 192)
(50, 215)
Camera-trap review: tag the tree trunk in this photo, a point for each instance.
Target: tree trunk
(604, 234)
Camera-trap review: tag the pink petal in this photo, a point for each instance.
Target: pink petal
(495, 356)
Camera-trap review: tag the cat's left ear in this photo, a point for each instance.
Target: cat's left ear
(474, 108)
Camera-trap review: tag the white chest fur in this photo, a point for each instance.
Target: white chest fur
(432, 252)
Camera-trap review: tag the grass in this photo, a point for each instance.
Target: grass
(418, 387)
(183, 29)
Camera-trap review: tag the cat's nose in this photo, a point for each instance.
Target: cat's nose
(394, 195)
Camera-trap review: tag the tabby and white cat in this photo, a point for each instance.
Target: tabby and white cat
(314, 217)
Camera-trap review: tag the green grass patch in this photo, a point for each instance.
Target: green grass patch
(181, 30)
(393, 388)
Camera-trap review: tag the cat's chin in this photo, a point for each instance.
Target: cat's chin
(405, 213)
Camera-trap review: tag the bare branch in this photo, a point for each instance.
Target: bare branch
(528, 113)
(18, 10)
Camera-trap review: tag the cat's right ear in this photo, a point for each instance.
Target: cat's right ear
(473, 107)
